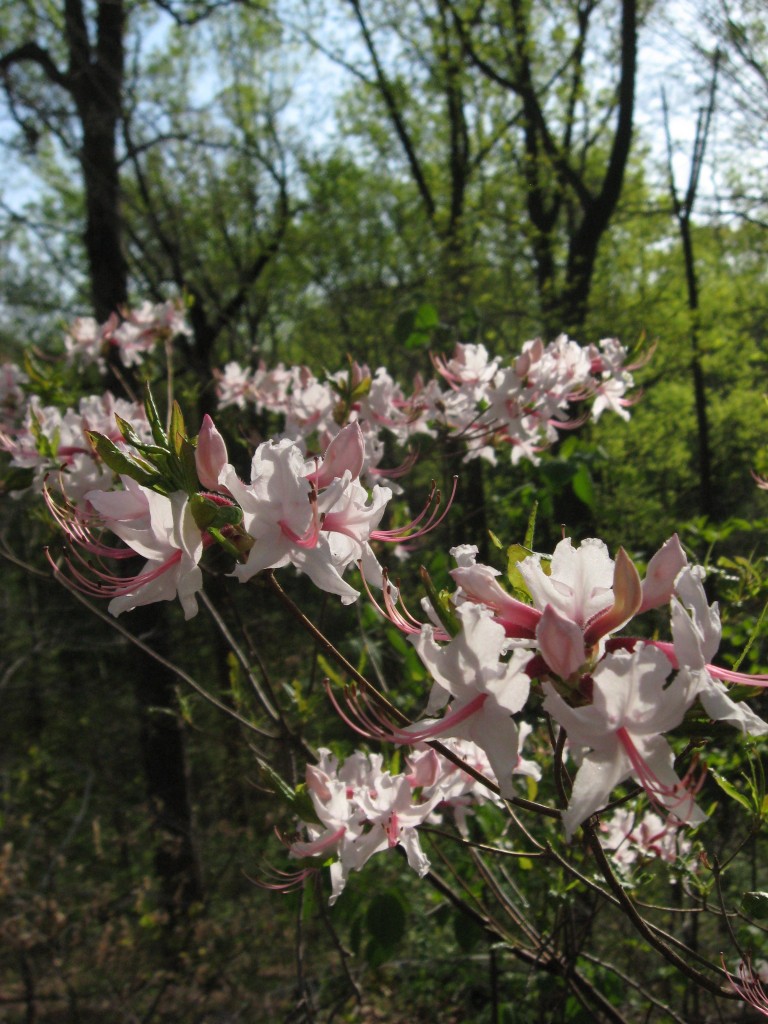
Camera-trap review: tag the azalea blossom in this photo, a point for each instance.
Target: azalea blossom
(696, 638)
(629, 838)
(234, 385)
(362, 810)
(633, 705)
(583, 597)
(210, 454)
(143, 328)
(50, 440)
(484, 690)
(159, 528)
(752, 976)
(459, 791)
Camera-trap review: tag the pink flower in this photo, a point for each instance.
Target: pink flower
(277, 511)
(158, 528)
(484, 690)
(633, 705)
(345, 453)
(362, 810)
(583, 597)
(750, 985)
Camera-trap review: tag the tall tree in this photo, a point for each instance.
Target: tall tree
(508, 111)
(89, 72)
(88, 69)
(207, 202)
(573, 156)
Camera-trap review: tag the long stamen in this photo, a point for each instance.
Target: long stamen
(399, 471)
(727, 675)
(749, 986)
(77, 529)
(315, 847)
(98, 583)
(287, 881)
(667, 798)
(403, 620)
(432, 506)
(371, 723)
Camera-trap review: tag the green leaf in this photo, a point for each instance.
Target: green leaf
(733, 793)
(426, 317)
(178, 430)
(416, 340)
(414, 328)
(752, 638)
(156, 426)
(755, 904)
(441, 603)
(530, 529)
(516, 553)
(16, 479)
(188, 466)
(129, 435)
(361, 390)
(124, 465)
(583, 487)
(298, 800)
(385, 921)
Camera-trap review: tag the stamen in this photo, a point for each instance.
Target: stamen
(665, 797)
(403, 620)
(432, 506)
(399, 471)
(370, 722)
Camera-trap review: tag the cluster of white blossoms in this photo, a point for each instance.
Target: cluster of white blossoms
(41, 439)
(559, 650)
(319, 514)
(485, 405)
(312, 514)
(362, 809)
(135, 333)
(615, 696)
(631, 838)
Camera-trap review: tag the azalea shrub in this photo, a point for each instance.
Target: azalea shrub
(562, 743)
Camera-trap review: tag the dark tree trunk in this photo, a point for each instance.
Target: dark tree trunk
(94, 81)
(165, 772)
(553, 166)
(683, 210)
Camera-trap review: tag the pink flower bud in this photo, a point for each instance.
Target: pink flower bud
(210, 454)
(561, 642)
(663, 570)
(345, 452)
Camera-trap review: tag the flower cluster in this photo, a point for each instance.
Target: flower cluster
(485, 405)
(630, 838)
(361, 809)
(615, 697)
(168, 504)
(135, 333)
(44, 440)
(557, 655)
